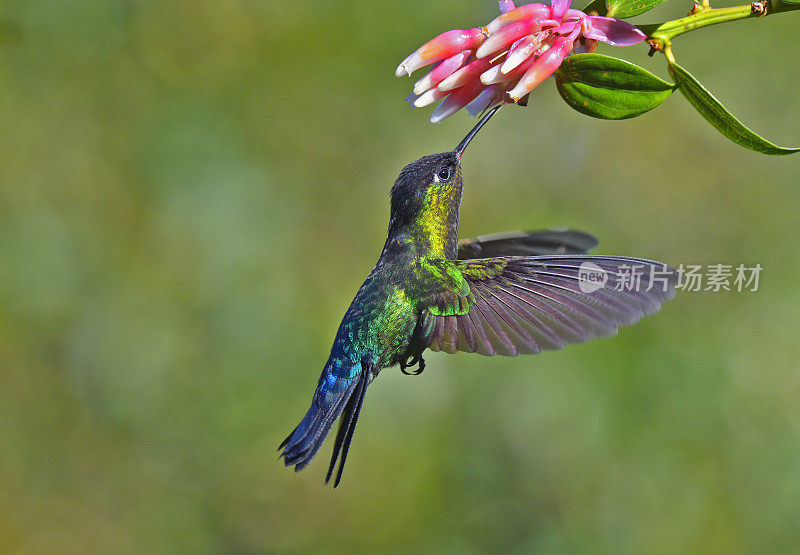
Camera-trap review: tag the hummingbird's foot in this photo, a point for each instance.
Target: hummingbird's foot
(405, 364)
(409, 363)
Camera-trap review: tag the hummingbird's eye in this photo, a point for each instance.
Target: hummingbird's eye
(443, 175)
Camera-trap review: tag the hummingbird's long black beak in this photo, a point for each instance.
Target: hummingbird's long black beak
(463, 144)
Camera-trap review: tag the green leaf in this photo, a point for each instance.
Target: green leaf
(790, 1)
(609, 88)
(716, 114)
(623, 9)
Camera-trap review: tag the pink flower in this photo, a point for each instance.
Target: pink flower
(509, 57)
(445, 45)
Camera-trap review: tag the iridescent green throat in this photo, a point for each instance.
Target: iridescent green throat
(436, 226)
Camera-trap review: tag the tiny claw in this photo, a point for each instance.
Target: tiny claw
(409, 363)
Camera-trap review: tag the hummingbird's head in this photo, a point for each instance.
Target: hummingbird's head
(427, 193)
(431, 183)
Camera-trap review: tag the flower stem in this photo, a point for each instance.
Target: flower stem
(660, 35)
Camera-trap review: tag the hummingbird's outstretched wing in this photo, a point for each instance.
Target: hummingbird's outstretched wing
(516, 305)
(527, 243)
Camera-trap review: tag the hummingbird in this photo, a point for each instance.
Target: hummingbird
(502, 294)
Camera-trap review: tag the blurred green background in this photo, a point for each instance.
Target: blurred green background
(192, 191)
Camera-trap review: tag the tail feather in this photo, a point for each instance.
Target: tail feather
(305, 441)
(347, 428)
(307, 438)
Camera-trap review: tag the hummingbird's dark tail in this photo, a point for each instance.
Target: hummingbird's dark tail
(334, 397)
(347, 428)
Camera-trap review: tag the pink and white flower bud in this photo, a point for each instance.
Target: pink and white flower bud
(489, 96)
(528, 11)
(508, 58)
(429, 97)
(506, 36)
(565, 29)
(464, 75)
(549, 23)
(574, 15)
(441, 71)
(543, 68)
(495, 74)
(445, 45)
(506, 5)
(457, 100)
(521, 51)
(558, 8)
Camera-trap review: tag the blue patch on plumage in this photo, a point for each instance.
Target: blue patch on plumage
(355, 370)
(327, 384)
(337, 379)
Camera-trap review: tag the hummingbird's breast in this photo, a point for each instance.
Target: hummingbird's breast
(381, 318)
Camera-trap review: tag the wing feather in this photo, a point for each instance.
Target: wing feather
(523, 341)
(497, 335)
(450, 333)
(527, 243)
(542, 302)
(467, 339)
(483, 343)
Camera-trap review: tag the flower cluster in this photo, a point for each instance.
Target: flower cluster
(508, 58)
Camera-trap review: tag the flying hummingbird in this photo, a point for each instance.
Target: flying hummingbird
(503, 294)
